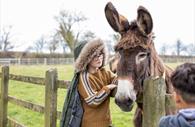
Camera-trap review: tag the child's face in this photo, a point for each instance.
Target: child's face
(96, 62)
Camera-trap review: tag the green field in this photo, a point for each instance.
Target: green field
(36, 94)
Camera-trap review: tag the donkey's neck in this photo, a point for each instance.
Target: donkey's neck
(157, 67)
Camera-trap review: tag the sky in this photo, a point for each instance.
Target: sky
(31, 19)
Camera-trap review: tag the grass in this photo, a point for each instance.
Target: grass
(36, 94)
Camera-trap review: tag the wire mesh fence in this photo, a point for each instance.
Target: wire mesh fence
(35, 61)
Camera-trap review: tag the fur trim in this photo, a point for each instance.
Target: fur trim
(91, 49)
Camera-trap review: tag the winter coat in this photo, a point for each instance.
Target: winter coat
(185, 118)
(84, 52)
(72, 111)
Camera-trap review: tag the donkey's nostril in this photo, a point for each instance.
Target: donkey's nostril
(129, 102)
(119, 102)
(125, 104)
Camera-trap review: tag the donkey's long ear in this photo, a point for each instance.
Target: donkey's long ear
(144, 20)
(118, 22)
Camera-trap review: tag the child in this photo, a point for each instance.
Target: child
(93, 85)
(183, 80)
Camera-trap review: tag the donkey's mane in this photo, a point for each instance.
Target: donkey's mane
(132, 38)
(156, 64)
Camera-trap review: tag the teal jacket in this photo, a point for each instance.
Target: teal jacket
(72, 111)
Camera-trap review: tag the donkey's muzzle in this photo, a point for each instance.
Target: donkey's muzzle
(125, 105)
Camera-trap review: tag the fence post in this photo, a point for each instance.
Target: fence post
(19, 61)
(153, 101)
(45, 61)
(170, 104)
(4, 96)
(51, 98)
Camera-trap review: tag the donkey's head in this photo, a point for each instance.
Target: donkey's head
(134, 49)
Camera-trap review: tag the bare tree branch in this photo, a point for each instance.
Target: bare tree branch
(5, 43)
(180, 47)
(53, 43)
(66, 22)
(39, 44)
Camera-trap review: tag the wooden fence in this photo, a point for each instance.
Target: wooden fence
(51, 84)
(155, 100)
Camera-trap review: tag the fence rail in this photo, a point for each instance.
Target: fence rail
(36, 80)
(26, 104)
(51, 84)
(14, 123)
(35, 61)
(53, 61)
(177, 59)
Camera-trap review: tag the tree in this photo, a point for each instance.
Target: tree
(67, 21)
(191, 49)
(88, 35)
(65, 48)
(180, 47)
(116, 37)
(109, 46)
(53, 43)
(39, 45)
(5, 43)
(164, 49)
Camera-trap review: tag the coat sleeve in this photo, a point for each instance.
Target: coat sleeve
(168, 121)
(162, 122)
(113, 80)
(88, 92)
(112, 77)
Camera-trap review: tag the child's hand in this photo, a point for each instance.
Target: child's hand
(111, 86)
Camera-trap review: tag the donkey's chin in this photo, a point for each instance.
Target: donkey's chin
(126, 108)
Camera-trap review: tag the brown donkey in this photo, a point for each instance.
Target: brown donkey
(138, 58)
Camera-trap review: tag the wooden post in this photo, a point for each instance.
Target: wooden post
(4, 96)
(153, 101)
(51, 98)
(19, 61)
(170, 104)
(45, 61)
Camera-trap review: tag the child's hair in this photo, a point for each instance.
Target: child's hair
(183, 79)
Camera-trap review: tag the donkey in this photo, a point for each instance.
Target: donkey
(138, 59)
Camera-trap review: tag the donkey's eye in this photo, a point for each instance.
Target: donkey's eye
(140, 57)
(120, 49)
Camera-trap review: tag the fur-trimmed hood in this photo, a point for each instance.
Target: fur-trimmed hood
(89, 50)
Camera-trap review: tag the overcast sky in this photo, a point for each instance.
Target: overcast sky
(172, 19)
